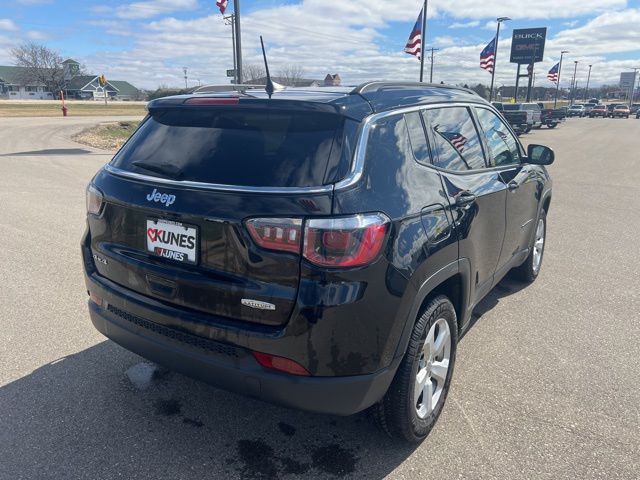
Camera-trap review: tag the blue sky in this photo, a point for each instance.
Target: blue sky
(148, 42)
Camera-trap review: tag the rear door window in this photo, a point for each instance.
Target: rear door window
(417, 137)
(261, 148)
(456, 144)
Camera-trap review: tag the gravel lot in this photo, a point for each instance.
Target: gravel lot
(546, 383)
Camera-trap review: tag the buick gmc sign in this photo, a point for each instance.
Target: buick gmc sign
(527, 45)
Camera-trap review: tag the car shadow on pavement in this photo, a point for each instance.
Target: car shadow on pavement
(94, 415)
(504, 288)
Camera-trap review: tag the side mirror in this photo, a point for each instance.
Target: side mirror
(540, 155)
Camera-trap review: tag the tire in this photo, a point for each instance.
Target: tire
(399, 413)
(530, 269)
(527, 129)
(552, 125)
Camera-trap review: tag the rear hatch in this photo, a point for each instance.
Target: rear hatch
(180, 196)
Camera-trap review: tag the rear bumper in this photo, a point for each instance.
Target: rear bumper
(228, 366)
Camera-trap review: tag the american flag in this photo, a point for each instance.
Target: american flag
(414, 44)
(553, 73)
(488, 56)
(456, 139)
(222, 5)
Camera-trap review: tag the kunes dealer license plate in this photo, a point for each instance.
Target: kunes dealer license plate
(172, 240)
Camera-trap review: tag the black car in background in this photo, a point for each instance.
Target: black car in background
(322, 249)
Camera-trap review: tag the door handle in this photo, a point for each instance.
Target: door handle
(465, 198)
(513, 185)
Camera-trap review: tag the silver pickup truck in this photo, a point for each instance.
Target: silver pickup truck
(534, 114)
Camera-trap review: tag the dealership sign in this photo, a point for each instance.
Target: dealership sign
(627, 79)
(527, 45)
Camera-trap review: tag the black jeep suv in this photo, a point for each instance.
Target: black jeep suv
(322, 249)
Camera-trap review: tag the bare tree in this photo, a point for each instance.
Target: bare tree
(252, 72)
(41, 66)
(291, 75)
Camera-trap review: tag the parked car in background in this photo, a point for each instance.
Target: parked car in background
(634, 108)
(598, 111)
(621, 111)
(638, 113)
(587, 108)
(550, 117)
(255, 242)
(576, 111)
(610, 109)
(518, 120)
(534, 115)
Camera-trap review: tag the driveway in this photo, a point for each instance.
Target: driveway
(545, 387)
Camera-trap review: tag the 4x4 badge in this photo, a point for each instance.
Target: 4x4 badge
(247, 302)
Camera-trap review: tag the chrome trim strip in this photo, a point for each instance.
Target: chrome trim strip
(357, 166)
(214, 186)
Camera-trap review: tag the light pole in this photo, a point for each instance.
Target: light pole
(633, 85)
(586, 89)
(184, 69)
(573, 82)
(495, 54)
(555, 102)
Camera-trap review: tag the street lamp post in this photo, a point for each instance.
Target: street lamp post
(633, 85)
(573, 82)
(586, 89)
(495, 54)
(555, 102)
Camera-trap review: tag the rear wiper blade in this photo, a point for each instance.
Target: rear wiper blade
(165, 170)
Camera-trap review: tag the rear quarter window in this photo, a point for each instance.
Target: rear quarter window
(258, 148)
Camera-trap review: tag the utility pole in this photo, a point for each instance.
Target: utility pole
(555, 102)
(495, 56)
(186, 85)
(238, 35)
(423, 38)
(230, 20)
(431, 73)
(586, 90)
(573, 82)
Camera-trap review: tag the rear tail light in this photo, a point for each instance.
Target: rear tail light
(95, 200)
(328, 242)
(344, 242)
(283, 234)
(280, 364)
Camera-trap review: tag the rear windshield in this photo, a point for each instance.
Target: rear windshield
(511, 106)
(262, 148)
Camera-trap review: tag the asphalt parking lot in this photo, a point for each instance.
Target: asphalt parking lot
(547, 382)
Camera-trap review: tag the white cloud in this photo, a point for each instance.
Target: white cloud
(471, 24)
(347, 37)
(611, 32)
(152, 8)
(36, 35)
(8, 25)
(517, 9)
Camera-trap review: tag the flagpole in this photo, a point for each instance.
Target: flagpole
(423, 37)
(495, 55)
(555, 102)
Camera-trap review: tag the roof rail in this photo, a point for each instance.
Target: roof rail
(376, 86)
